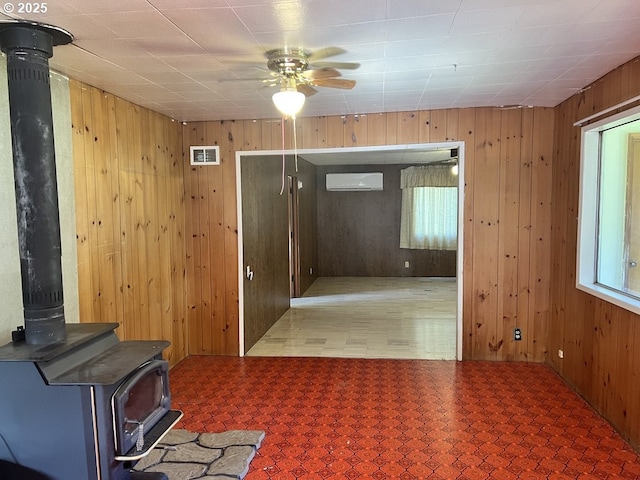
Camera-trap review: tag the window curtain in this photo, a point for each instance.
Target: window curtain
(429, 208)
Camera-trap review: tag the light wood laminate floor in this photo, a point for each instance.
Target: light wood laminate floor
(362, 317)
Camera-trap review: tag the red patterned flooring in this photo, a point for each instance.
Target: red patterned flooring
(330, 418)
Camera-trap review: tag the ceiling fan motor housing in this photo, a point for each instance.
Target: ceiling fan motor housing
(287, 62)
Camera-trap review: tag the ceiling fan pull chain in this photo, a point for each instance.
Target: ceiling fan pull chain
(284, 164)
(295, 143)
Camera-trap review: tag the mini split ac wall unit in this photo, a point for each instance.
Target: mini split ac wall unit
(354, 182)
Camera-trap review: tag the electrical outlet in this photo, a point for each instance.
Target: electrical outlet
(517, 334)
(406, 264)
(560, 354)
(311, 271)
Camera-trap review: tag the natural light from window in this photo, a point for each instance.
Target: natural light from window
(429, 208)
(609, 233)
(435, 218)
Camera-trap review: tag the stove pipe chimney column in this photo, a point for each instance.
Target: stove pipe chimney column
(28, 47)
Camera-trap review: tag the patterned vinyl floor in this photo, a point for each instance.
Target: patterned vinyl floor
(339, 418)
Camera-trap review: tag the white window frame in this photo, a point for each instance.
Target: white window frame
(586, 269)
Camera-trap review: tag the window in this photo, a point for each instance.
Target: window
(429, 208)
(608, 263)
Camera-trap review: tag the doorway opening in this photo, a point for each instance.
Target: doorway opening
(402, 154)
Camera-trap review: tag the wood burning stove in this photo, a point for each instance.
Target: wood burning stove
(76, 403)
(87, 408)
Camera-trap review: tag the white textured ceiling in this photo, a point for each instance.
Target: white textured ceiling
(189, 59)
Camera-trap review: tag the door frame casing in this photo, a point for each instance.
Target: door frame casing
(345, 150)
(294, 238)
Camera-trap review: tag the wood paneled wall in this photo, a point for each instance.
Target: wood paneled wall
(212, 237)
(128, 175)
(359, 232)
(600, 341)
(265, 235)
(507, 217)
(265, 228)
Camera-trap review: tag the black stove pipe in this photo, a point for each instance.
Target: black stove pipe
(28, 47)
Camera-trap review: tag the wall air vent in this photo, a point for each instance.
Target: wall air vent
(354, 182)
(205, 155)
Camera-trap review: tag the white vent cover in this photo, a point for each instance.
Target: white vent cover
(205, 155)
(354, 182)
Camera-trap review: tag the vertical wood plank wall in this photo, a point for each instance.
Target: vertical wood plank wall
(600, 341)
(507, 217)
(265, 213)
(166, 267)
(128, 176)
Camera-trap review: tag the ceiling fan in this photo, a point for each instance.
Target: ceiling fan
(298, 72)
(307, 71)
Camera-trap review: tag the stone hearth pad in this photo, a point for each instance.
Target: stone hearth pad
(184, 455)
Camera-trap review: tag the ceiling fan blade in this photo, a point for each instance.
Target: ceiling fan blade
(239, 61)
(267, 78)
(255, 74)
(325, 53)
(334, 83)
(242, 79)
(341, 65)
(321, 73)
(308, 90)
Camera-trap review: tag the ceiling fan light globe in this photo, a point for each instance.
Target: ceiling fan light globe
(289, 102)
